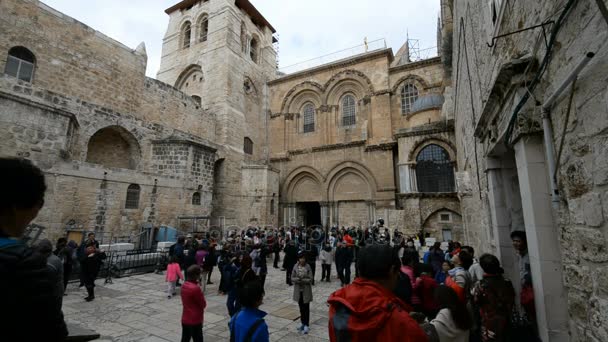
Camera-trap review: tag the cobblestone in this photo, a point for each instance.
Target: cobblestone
(136, 308)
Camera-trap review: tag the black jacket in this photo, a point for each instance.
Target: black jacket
(344, 257)
(291, 255)
(30, 310)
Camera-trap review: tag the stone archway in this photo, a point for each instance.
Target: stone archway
(114, 147)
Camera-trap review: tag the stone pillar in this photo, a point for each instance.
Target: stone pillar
(371, 208)
(325, 209)
(290, 214)
(500, 202)
(543, 240)
(413, 180)
(407, 178)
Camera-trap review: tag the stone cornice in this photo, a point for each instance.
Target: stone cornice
(415, 65)
(335, 65)
(428, 195)
(178, 141)
(381, 147)
(433, 128)
(504, 84)
(43, 106)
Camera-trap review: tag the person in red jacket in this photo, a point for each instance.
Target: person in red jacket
(426, 286)
(194, 303)
(368, 310)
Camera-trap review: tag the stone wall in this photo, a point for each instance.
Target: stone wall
(488, 85)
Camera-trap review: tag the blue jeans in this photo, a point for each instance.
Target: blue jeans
(232, 303)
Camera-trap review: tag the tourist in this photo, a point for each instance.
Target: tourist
(289, 260)
(45, 247)
(260, 267)
(459, 278)
(475, 269)
(520, 244)
(344, 258)
(90, 265)
(453, 321)
(174, 272)
(81, 252)
(437, 257)
(276, 249)
(311, 257)
(30, 309)
(230, 272)
(194, 304)
(327, 259)
(200, 257)
(408, 267)
(302, 290)
(425, 289)
(178, 250)
(66, 252)
(367, 310)
(249, 324)
(210, 262)
(223, 261)
(442, 275)
(245, 274)
(494, 299)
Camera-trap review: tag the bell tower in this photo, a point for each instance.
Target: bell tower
(221, 53)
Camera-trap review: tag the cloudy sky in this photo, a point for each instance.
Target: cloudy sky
(307, 29)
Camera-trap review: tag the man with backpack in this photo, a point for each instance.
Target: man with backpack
(248, 325)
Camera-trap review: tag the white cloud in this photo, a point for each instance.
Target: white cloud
(307, 29)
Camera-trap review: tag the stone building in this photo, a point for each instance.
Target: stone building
(221, 137)
(364, 138)
(533, 157)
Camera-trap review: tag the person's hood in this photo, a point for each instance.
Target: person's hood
(444, 323)
(369, 305)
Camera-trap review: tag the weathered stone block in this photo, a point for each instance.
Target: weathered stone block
(592, 209)
(578, 277)
(599, 318)
(578, 305)
(575, 210)
(601, 280)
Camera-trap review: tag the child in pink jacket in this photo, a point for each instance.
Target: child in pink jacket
(174, 272)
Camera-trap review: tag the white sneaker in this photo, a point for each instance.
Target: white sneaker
(305, 330)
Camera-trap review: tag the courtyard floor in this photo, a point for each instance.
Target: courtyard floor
(136, 308)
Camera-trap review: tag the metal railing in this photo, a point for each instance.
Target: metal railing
(124, 264)
(373, 45)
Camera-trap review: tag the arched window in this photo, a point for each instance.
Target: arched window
(196, 198)
(434, 170)
(409, 95)
(349, 111)
(132, 201)
(20, 63)
(203, 29)
(186, 35)
(309, 118)
(253, 49)
(248, 146)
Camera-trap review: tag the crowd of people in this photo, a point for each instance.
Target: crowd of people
(398, 292)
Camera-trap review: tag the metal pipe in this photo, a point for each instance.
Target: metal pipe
(581, 65)
(548, 129)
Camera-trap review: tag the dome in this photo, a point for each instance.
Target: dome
(428, 101)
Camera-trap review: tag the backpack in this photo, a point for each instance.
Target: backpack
(254, 327)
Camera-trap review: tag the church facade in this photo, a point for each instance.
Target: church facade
(221, 138)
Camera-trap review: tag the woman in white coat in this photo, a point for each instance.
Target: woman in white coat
(453, 322)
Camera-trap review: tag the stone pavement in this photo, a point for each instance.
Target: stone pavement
(136, 308)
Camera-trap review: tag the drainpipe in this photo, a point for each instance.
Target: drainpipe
(548, 130)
